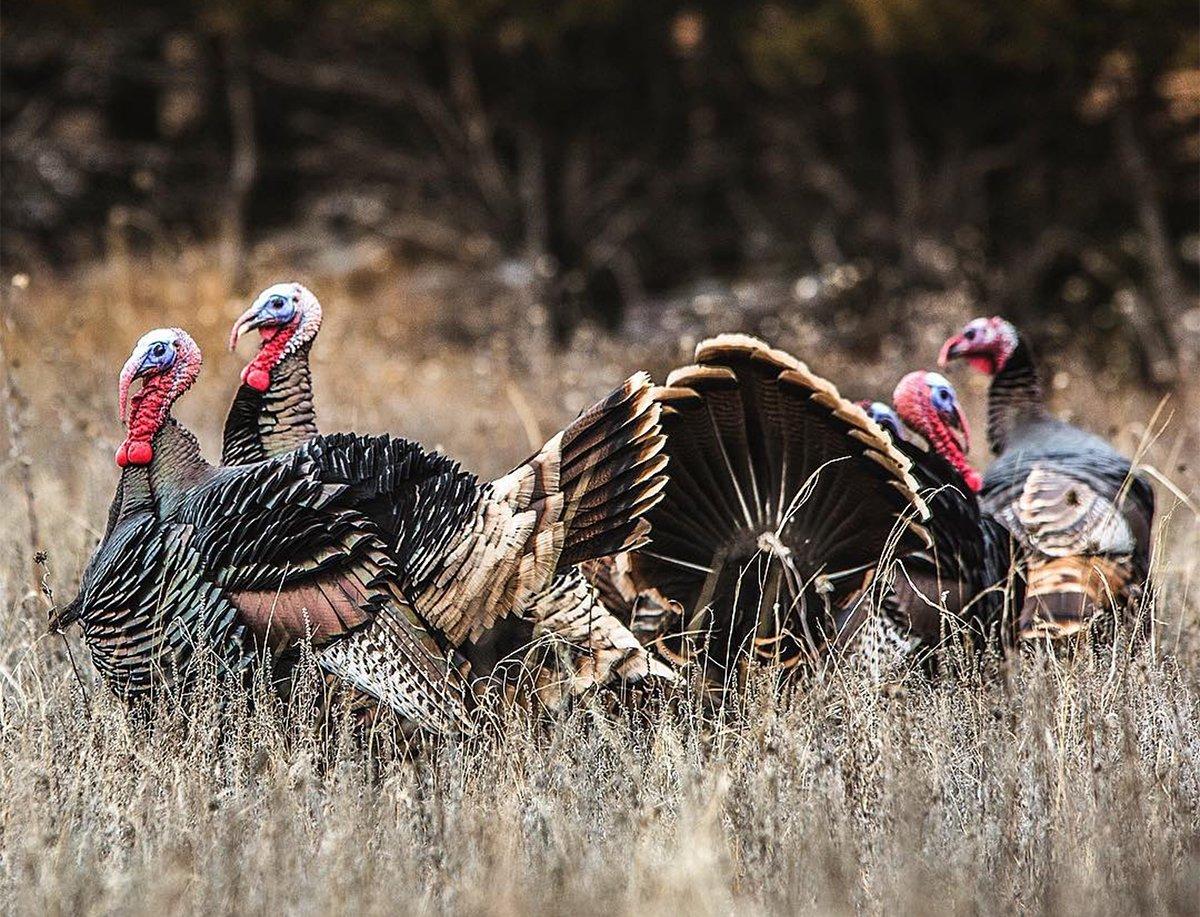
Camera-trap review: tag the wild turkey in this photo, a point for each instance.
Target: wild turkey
(1071, 500)
(964, 583)
(272, 414)
(783, 496)
(260, 556)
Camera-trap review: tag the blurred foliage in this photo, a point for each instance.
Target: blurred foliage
(1041, 156)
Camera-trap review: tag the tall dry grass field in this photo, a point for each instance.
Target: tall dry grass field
(1041, 784)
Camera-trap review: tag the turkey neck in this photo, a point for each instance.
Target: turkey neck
(1014, 397)
(262, 425)
(133, 496)
(289, 403)
(177, 466)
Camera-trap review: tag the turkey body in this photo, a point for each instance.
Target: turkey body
(969, 580)
(1073, 504)
(233, 565)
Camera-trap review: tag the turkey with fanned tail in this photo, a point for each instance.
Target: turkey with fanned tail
(611, 453)
(264, 557)
(783, 499)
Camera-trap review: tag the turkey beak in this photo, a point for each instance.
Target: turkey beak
(953, 348)
(247, 321)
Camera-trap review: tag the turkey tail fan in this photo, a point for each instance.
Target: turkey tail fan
(605, 470)
(781, 494)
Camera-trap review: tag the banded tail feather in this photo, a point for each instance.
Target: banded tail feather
(1064, 594)
(602, 474)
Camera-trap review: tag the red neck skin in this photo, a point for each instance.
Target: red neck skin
(257, 373)
(986, 363)
(148, 411)
(923, 418)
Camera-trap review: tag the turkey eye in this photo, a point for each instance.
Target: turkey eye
(158, 350)
(969, 334)
(277, 303)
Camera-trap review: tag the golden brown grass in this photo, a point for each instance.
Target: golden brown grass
(1066, 787)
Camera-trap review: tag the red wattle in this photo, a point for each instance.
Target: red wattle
(985, 363)
(257, 373)
(257, 379)
(134, 452)
(974, 480)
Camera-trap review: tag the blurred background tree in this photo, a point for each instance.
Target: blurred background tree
(1042, 157)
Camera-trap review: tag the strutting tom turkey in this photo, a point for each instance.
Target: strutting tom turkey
(783, 498)
(1071, 500)
(272, 413)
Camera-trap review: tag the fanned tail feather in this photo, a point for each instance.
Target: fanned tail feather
(591, 485)
(779, 489)
(583, 495)
(611, 472)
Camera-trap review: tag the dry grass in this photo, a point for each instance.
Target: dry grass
(1044, 786)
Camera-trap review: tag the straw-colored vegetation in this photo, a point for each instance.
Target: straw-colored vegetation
(1067, 786)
